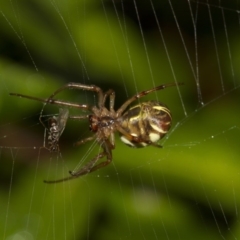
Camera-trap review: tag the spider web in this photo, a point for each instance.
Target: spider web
(189, 188)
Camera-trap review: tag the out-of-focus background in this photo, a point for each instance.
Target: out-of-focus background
(190, 188)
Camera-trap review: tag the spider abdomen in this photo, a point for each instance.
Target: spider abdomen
(146, 123)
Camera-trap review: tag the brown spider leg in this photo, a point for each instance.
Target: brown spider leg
(82, 141)
(142, 94)
(111, 95)
(112, 140)
(54, 101)
(79, 117)
(59, 180)
(88, 168)
(73, 85)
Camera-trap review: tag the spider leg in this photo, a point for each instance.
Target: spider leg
(79, 117)
(73, 85)
(53, 101)
(83, 171)
(82, 141)
(111, 95)
(142, 94)
(90, 167)
(59, 180)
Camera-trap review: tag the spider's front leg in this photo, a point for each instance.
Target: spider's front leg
(90, 167)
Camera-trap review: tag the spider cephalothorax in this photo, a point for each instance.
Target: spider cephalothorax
(141, 125)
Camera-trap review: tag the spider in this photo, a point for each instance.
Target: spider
(141, 125)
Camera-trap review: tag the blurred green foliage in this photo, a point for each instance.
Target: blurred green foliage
(189, 189)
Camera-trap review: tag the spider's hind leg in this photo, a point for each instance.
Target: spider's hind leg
(90, 167)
